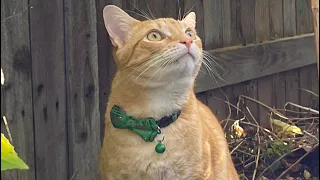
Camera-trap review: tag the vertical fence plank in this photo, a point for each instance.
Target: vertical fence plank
(16, 94)
(289, 24)
(315, 87)
(276, 32)
(82, 89)
(106, 63)
(212, 10)
(247, 33)
(304, 25)
(49, 91)
(265, 89)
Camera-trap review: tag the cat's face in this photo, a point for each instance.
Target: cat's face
(157, 50)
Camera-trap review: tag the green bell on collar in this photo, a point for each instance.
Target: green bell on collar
(146, 128)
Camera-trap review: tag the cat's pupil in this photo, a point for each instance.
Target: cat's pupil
(154, 35)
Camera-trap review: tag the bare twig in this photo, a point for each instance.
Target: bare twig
(295, 163)
(237, 146)
(75, 173)
(7, 128)
(266, 106)
(259, 146)
(277, 160)
(308, 91)
(313, 136)
(301, 107)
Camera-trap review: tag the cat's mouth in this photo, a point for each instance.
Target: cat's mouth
(187, 55)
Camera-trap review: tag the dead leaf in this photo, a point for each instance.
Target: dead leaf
(286, 128)
(306, 174)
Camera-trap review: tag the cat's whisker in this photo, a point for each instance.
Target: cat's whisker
(211, 70)
(141, 15)
(155, 62)
(185, 13)
(213, 58)
(207, 59)
(154, 73)
(152, 15)
(179, 15)
(141, 11)
(134, 71)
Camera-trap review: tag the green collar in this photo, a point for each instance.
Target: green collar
(146, 128)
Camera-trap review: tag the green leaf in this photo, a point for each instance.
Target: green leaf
(9, 158)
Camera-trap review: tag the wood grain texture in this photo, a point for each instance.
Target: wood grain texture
(248, 33)
(304, 25)
(314, 87)
(106, 63)
(289, 18)
(214, 39)
(279, 86)
(49, 89)
(290, 29)
(254, 61)
(265, 84)
(213, 23)
(82, 89)
(16, 94)
(315, 15)
(276, 32)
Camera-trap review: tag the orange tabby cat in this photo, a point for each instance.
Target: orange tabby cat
(158, 61)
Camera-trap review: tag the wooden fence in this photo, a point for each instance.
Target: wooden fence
(58, 65)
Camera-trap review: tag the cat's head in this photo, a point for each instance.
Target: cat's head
(158, 50)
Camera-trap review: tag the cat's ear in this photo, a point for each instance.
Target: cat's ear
(190, 19)
(118, 24)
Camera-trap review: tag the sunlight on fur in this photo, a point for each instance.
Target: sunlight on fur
(157, 63)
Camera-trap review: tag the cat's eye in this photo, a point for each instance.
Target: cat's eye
(191, 34)
(154, 36)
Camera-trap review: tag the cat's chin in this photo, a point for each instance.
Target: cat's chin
(187, 64)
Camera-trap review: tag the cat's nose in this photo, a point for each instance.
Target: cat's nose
(186, 41)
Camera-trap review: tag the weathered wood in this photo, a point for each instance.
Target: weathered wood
(305, 83)
(247, 29)
(213, 35)
(279, 85)
(248, 35)
(230, 31)
(304, 25)
(243, 63)
(82, 89)
(292, 89)
(106, 63)
(276, 19)
(289, 18)
(276, 32)
(314, 87)
(49, 89)
(290, 29)
(16, 94)
(213, 23)
(315, 15)
(265, 88)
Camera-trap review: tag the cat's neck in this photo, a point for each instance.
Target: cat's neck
(140, 101)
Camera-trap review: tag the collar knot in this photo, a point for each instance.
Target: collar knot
(147, 128)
